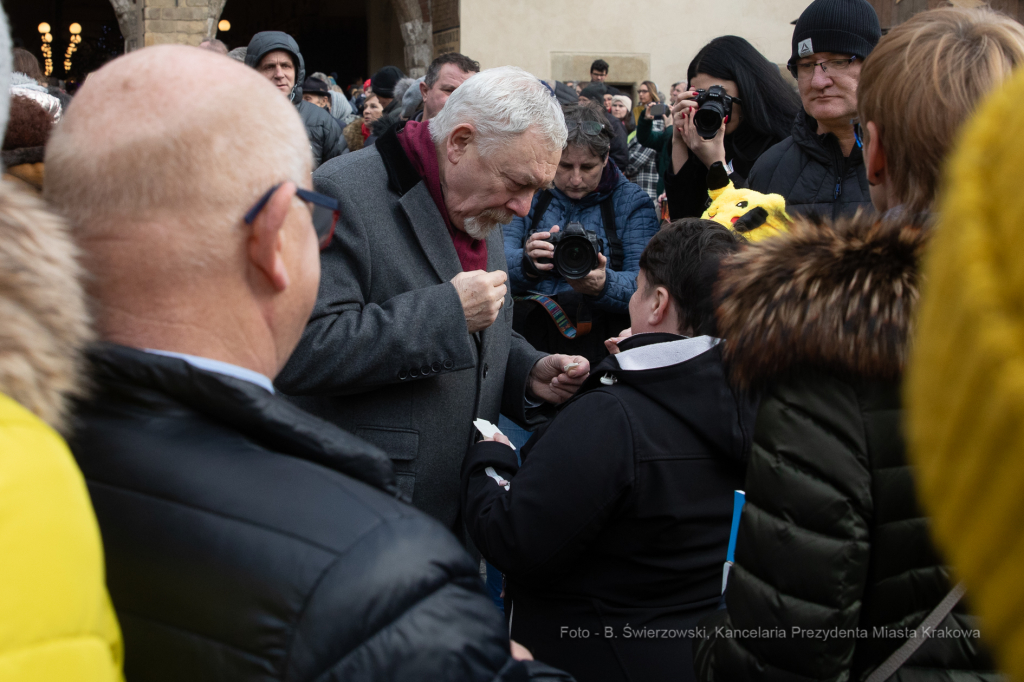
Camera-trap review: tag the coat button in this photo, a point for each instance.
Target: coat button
(425, 370)
(448, 364)
(413, 373)
(486, 369)
(435, 366)
(403, 375)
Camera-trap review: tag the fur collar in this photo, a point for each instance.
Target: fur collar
(43, 319)
(839, 297)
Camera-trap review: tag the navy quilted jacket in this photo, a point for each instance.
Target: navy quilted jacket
(635, 222)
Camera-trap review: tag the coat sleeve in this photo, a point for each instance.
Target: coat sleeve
(352, 345)
(649, 137)
(638, 229)
(334, 142)
(803, 546)
(406, 603)
(521, 359)
(573, 480)
(760, 177)
(687, 190)
(620, 147)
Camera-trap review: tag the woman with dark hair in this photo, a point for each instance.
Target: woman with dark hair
(763, 109)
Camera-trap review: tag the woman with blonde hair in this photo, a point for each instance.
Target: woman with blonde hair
(646, 94)
(831, 539)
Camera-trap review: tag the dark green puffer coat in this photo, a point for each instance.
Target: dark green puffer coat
(834, 565)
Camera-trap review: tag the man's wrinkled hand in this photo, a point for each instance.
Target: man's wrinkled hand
(556, 378)
(592, 284)
(482, 295)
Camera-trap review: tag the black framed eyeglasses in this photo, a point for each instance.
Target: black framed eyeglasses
(804, 71)
(587, 127)
(325, 210)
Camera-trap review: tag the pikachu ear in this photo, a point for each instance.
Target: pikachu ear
(718, 177)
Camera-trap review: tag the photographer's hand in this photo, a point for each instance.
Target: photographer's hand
(593, 283)
(537, 247)
(708, 151)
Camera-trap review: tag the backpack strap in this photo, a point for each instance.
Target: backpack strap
(890, 665)
(614, 243)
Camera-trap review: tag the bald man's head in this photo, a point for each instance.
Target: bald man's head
(176, 136)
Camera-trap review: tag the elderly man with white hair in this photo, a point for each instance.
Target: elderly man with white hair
(411, 338)
(246, 539)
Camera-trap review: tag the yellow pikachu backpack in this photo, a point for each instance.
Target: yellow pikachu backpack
(754, 215)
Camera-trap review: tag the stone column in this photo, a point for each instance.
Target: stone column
(130, 20)
(417, 34)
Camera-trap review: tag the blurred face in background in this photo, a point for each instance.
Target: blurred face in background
(608, 102)
(278, 68)
(645, 94)
(372, 109)
(598, 76)
(676, 92)
(619, 110)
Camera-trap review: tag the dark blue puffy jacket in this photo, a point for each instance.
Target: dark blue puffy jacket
(635, 223)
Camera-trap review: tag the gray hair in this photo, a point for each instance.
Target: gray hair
(501, 104)
(600, 144)
(238, 54)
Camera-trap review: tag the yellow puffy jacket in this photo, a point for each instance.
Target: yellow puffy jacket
(965, 385)
(56, 619)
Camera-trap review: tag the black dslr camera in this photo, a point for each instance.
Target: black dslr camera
(576, 251)
(713, 105)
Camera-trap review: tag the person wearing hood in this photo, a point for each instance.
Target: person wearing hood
(591, 191)
(27, 81)
(58, 622)
(276, 56)
(819, 322)
(617, 523)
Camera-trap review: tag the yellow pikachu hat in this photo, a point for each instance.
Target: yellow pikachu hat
(754, 215)
(965, 385)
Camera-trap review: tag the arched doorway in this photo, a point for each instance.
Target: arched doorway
(101, 38)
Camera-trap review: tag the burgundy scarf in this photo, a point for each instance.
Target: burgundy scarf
(419, 147)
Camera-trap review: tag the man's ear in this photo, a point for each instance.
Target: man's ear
(459, 141)
(661, 306)
(423, 89)
(266, 240)
(875, 156)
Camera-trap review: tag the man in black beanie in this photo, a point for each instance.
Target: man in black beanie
(820, 167)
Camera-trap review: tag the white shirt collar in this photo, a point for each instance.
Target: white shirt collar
(657, 355)
(225, 368)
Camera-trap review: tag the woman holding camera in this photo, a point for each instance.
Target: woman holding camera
(753, 107)
(612, 218)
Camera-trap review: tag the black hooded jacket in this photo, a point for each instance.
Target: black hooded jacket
(248, 540)
(617, 523)
(811, 173)
(325, 133)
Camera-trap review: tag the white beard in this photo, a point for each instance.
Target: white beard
(478, 227)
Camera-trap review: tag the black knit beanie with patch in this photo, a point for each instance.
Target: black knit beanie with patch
(843, 26)
(384, 81)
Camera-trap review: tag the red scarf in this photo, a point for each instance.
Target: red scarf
(365, 131)
(419, 147)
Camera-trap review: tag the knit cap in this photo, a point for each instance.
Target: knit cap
(384, 81)
(843, 26)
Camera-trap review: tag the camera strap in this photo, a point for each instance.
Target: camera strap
(607, 219)
(614, 243)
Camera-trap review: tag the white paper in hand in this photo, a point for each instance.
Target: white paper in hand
(497, 478)
(489, 430)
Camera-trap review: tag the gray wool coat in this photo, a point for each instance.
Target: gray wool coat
(387, 354)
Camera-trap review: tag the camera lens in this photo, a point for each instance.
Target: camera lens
(574, 257)
(708, 119)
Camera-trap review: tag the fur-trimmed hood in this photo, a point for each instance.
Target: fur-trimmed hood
(44, 323)
(834, 296)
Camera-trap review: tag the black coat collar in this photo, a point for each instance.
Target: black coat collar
(161, 383)
(402, 175)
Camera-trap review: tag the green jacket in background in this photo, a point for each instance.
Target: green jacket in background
(658, 140)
